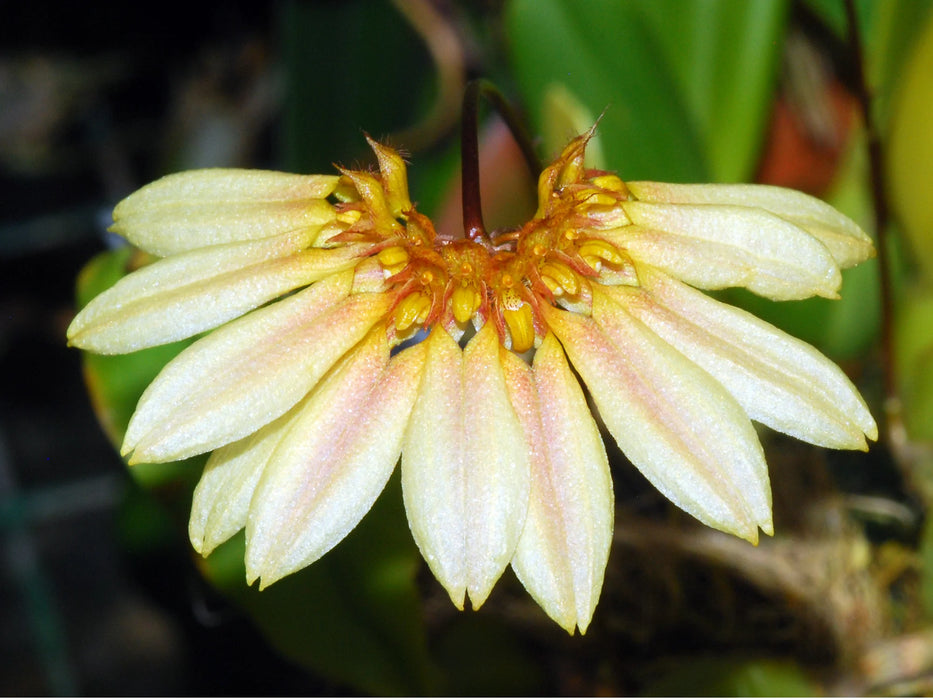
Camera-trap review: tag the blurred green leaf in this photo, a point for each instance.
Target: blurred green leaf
(115, 382)
(910, 151)
(354, 616)
(686, 86)
(732, 677)
(725, 56)
(888, 30)
(913, 328)
(605, 52)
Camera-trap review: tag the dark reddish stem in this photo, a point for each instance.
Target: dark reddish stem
(879, 201)
(473, 226)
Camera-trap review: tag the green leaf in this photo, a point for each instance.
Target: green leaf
(115, 382)
(604, 53)
(913, 333)
(354, 616)
(686, 87)
(888, 31)
(724, 55)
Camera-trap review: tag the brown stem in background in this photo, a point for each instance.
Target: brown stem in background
(892, 403)
(447, 51)
(473, 226)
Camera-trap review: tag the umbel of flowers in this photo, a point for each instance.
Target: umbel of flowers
(348, 333)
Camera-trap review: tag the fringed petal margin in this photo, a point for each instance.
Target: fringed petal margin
(248, 373)
(562, 554)
(674, 422)
(779, 380)
(202, 208)
(334, 460)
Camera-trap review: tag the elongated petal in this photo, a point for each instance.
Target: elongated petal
(192, 292)
(464, 466)
(779, 380)
(222, 496)
(434, 480)
(562, 554)
(201, 208)
(848, 243)
(498, 466)
(335, 460)
(727, 246)
(248, 373)
(671, 419)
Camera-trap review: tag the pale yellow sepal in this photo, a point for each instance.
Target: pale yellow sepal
(779, 380)
(674, 422)
(394, 177)
(248, 373)
(334, 461)
(465, 471)
(717, 246)
(562, 554)
(192, 292)
(201, 208)
(222, 497)
(846, 241)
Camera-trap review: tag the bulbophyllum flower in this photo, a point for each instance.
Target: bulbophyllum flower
(347, 333)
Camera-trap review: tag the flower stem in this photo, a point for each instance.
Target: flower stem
(473, 226)
(879, 201)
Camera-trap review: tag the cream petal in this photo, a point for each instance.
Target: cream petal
(222, 496)
(562, 554)
(335, 460)
(848, 244)
(498, 465)
(674, 422)
(248, 373)
(779, 380)
(201, 208)
(465, 470)
(434, 479)
(192, 292)
(717, 246)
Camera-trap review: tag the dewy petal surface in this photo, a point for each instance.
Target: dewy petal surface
(779, 380)
(192, 292)
(464, 466)
(716, 246)
(208, 207)
(248, 373)
(562, 554)
(335, 460)
(848, 244)
(222, 497)
(433, 469)
(670, 418)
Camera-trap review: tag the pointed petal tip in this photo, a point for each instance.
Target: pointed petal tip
(458, 598)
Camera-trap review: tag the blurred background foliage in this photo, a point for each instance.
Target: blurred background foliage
(91, 107)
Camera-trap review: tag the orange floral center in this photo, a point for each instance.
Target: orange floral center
(504, 279)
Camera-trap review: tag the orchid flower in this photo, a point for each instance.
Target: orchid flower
(343, 334)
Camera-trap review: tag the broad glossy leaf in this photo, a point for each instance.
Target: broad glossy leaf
(603, 51)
